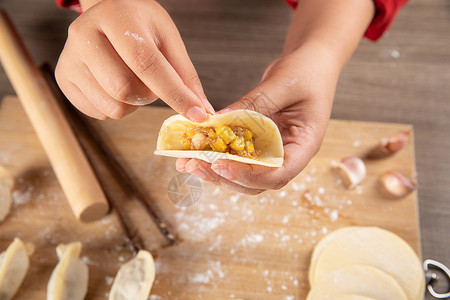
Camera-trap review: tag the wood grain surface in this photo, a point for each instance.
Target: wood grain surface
(403, 78)
(228, 245)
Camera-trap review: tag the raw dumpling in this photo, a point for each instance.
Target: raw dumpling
(264, 134)
(14, 264)
(6, 185)
(361, 280)
(69, 279)
(134, 279)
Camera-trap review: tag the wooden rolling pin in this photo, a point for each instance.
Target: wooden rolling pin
(71, 166)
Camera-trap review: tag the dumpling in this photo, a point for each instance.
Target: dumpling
(134, 278)
(6, 185)
(240, 135)
(14, 264)
(69, 279)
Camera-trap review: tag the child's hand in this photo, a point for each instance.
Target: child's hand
(297, 92)
(298, 98)
(124, 53)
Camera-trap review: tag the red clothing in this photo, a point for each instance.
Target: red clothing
(73, 4)
(386, 10)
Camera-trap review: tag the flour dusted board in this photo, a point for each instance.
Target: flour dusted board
(230, 245)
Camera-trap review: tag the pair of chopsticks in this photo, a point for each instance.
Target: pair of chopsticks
(77, 152)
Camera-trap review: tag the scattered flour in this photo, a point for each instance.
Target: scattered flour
(21, 197)
(292, 82)
(135, 36)
(109, 280)
(395, 54)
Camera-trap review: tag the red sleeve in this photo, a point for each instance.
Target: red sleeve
(73, 4)
(385, 13)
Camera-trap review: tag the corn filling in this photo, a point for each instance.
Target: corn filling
(226, 139)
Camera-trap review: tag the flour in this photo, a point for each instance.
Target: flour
(135, 36)
(109, 280)
(395, 54)
(305, 211)
(21, 197)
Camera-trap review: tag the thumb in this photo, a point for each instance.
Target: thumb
(264, 98)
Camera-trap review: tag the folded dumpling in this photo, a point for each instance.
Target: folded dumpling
(134, 278)
(6, 185)
(240, 135)
(14, 264)
(69, 280)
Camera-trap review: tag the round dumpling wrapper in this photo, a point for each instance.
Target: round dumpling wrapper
(362, 280)
(322, 245)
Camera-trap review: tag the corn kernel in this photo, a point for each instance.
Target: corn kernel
(218, 145)
(226, 134)
(212, 134)
(247, 135)
(238, 144)
(249, 147)
(186, 143)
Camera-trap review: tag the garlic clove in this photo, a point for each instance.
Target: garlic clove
(395, 185)
(351, 170)
(389, 145)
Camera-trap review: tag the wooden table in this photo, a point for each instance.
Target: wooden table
(403, 78)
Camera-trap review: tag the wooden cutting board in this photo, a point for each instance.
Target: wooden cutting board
(230, 245)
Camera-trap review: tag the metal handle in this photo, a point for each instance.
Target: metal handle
(433, 277)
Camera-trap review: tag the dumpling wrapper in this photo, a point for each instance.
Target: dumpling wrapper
(353, 297)
(374, 247)
(361, 280)
(69, 279)
(266, 135)
(14, 264)
(6, 185)
(322, 245)
(134, 279)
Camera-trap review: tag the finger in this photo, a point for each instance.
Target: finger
(180, 164)
(98, 97)
(142, 56)
(266, 99)
(79, 100)
(202, 170)
(112, 74)
(174, 50)
(260, 177)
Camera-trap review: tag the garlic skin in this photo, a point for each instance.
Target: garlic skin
(395, 185)
(389, 145)
(351, 170)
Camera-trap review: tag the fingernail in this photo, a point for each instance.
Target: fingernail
(196, 171)
(208, 106)
(221, 170)
(180, 169)
(196, 114)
